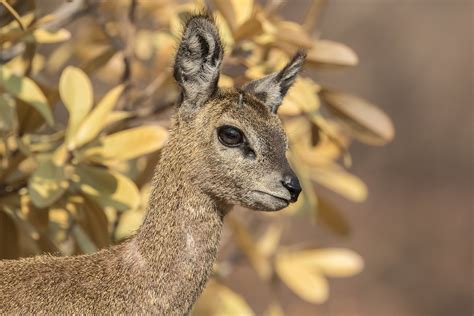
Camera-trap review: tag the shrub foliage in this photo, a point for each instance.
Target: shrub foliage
(86, 93)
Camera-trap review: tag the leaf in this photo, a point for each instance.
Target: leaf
(292, 33)
(75, 90)
(269, 242)
(235, 12)
(43, 36)
(218, 300)
(334, 262)
(301, 98)
(8, 118)
(107, 187)
(26, 90)
(97, 119)
(47, 184)
(340, 181)
(303, 270)
(95, 223)
(138, 142)
(365, 121)
(9, 248)
(117, 116)
(329, 215)
(83, 241)
(303, 279)
(331, 53)
(130, 222)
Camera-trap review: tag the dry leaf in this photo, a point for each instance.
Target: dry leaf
(75, 90)
(366, 122)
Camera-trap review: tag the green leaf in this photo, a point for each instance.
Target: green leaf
(83, 241)
(48, 183)
(138, 141)
(26, 90)
(96, 120)
(95, 223)
(75, 90)
(107, 187)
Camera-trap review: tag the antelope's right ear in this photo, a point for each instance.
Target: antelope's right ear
(198, 61)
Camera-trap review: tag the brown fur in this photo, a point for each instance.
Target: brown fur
(164, 267)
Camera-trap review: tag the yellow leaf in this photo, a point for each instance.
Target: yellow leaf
(26, 90)
(75, 90)
(235, 12)
(292, 33)
(117, 116)
(243, 10)
(331, 53)
(268, 243)
(334, 262)
(305, 280)
(302, 97)
(225, 32)
(96, 120)
(329, 215)
(43, 36)
(340, 181)
(48, 183)
(130, 222)
(138, 141)
(365, 121)
(226, 81)
(218, 300)
(107, 187)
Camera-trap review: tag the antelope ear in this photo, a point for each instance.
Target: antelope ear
(272, 88)
(198, 61)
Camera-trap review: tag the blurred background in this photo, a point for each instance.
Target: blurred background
(415, 61)
(415, 229)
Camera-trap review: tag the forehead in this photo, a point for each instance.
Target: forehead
(249, 113)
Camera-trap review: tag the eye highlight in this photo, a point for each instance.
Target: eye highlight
(230, 136)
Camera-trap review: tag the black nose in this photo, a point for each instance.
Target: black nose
(292, 183)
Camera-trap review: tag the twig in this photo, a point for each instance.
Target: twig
(14, 13)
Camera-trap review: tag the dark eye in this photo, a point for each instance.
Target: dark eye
(230, 136)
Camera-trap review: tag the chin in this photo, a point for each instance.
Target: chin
(265, 202)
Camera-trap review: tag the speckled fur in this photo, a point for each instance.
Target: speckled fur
(163, 269)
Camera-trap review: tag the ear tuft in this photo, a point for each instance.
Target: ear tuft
(287, 76)
(198, 60)
(272, 89)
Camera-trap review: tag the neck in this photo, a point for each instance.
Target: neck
(179, 238)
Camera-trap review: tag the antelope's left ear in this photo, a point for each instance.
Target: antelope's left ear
(272, 88)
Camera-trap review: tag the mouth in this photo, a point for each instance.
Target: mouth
(279, 198)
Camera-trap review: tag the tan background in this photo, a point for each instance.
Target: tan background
(415, 230)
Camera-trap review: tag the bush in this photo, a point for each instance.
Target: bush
(75, 169)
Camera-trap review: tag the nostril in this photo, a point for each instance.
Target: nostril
(292, 184)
